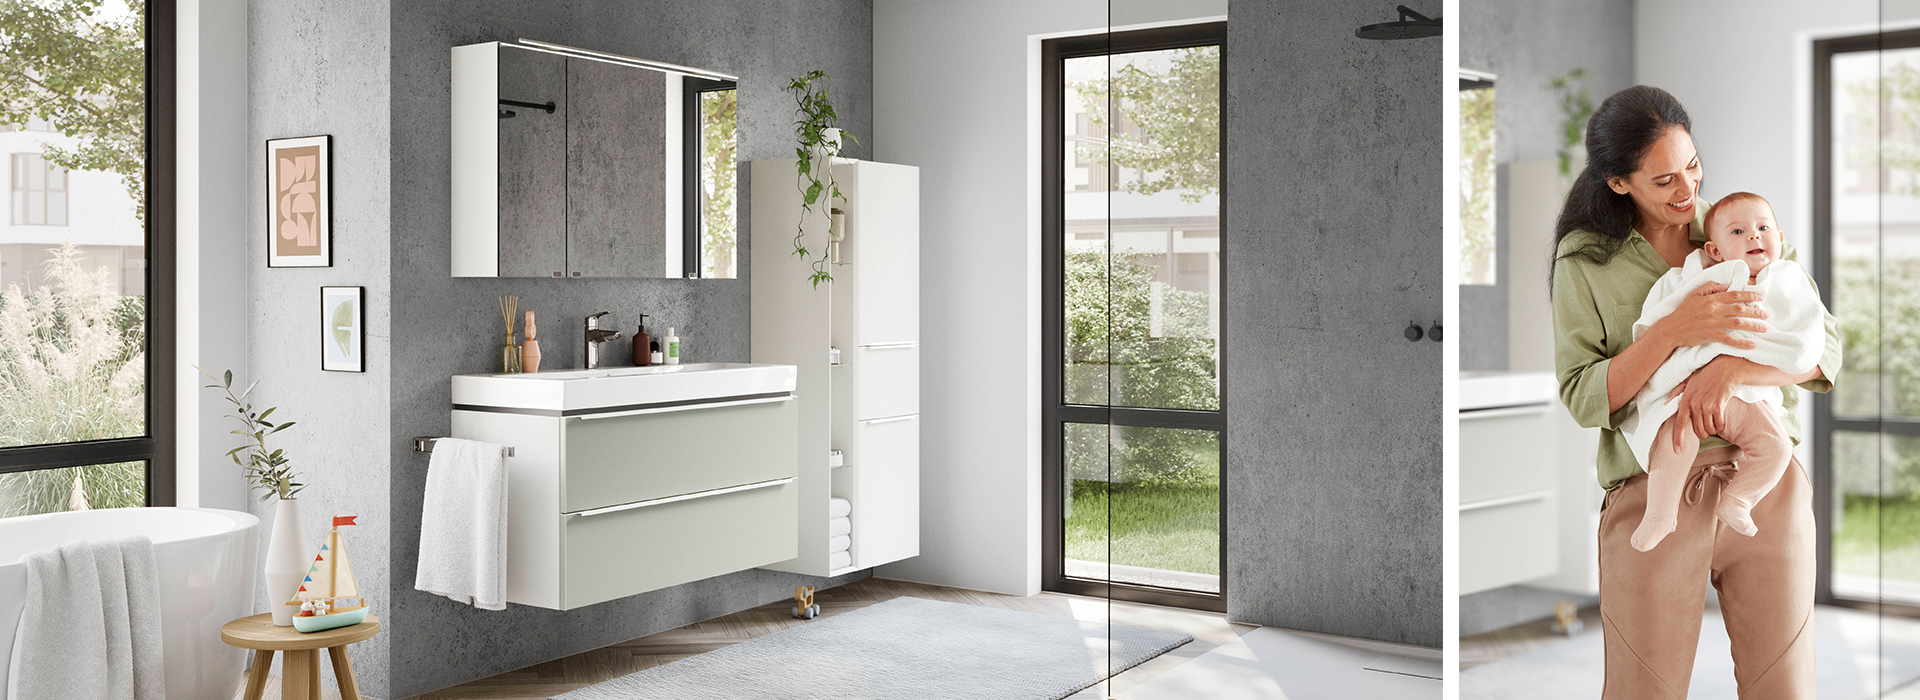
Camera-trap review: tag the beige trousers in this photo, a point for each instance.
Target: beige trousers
(1651, 602)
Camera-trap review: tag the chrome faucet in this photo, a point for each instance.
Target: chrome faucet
(596, 335)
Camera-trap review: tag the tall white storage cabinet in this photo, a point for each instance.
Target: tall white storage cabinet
(856, 341)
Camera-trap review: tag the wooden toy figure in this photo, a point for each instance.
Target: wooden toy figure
(1567, 619)
(803, 605)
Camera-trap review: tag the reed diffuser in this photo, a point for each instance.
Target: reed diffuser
(509, 351)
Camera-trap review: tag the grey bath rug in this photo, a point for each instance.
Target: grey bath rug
(906, 649)
(1849, 648)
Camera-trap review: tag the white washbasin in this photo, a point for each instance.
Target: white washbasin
(586, 391)
(1483, 390)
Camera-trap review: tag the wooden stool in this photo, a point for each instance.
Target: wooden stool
(300, 664)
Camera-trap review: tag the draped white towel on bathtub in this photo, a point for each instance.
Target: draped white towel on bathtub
(463, 524)
(91, 626)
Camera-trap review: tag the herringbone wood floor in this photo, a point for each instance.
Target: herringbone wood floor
(580, 670)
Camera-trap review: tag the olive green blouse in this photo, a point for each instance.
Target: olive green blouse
(1594, 307)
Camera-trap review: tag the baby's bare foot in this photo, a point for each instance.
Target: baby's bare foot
(1651, 531)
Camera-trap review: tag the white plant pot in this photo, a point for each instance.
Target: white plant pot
(830, 142)
(287, 560)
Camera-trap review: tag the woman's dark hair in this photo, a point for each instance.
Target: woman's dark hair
(1619, 133)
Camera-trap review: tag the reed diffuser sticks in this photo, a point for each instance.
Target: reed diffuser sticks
(509, 351)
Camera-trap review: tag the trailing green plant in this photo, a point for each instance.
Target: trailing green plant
(813, 116)
(1575, 107)
(263, 469)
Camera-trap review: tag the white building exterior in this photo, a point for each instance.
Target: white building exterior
(94, 211)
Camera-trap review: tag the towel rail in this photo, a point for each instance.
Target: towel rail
(424, 445)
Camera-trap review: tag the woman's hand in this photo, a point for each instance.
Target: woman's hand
(1709, 314)
(1704, 406)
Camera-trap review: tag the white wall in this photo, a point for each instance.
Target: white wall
(956, 93)
(212, 264)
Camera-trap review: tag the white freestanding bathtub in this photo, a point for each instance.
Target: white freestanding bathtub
(206, 562)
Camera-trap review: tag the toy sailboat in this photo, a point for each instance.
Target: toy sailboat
(329, 583)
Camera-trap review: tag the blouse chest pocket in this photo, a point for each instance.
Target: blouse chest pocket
(1618, 322)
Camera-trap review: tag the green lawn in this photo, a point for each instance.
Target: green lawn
(1162, 527)
(1879, 537)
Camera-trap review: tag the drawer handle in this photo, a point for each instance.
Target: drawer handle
(889, 346)
(1528, 497)
(684, 497)
(895, 419)
(687, 407)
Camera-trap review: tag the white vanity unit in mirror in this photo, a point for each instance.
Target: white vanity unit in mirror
(856, 342)
(576, 163)
(631, 479)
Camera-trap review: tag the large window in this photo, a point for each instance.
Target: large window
(39, 191)
(1133, 371)
(86, 342)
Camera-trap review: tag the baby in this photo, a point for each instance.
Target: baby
(1742, 252)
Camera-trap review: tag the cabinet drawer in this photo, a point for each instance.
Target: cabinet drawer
(621, 553)
(886, 493)
(888, 379)
(1505, 544)
(1506, 454)
(613, 461)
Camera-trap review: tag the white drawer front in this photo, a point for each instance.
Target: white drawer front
(1505, 544)
(886, 499)
(1507, 454)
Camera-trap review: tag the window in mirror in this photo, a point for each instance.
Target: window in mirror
(712, 172)
(1476, 179)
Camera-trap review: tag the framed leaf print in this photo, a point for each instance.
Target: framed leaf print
(300, 202)
(343, 338)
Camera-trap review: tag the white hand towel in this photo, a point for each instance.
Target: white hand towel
(91, 627)
(463, 524)
(839, 560)
(840, 544)
(839, 508)
(839, 526)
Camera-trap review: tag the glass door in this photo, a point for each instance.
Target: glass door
(1132, 251)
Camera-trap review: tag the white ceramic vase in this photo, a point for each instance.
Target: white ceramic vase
(287, 556)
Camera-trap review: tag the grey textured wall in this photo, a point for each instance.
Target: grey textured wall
(1527, 43)
(319, 67)
(451, 326)
(1333, 418)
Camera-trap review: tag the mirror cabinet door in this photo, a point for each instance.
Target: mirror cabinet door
(532, 164)
(618, 171)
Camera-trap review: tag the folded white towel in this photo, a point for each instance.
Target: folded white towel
(839, 526)
(839, 508)
(91, 627)
(463, 524)
(840, 544)
(839, 560)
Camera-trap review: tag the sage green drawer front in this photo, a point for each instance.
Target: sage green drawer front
(1505, 544)
(1508, 454)
(621, 553)
(614, 461)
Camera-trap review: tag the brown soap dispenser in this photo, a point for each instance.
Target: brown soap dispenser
(641, 355)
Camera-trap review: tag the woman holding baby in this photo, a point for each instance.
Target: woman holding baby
(1677, 324)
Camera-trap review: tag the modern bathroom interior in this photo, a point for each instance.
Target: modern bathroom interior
(1809, 105)
(1074, 356)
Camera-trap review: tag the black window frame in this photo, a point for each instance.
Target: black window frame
(1055, 412)
(1825, 422)
(692, 229)
(156, 448)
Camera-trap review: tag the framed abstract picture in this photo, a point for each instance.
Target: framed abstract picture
(300, 202)
(343, 338)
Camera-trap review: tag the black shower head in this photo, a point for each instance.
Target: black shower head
(1412, 25)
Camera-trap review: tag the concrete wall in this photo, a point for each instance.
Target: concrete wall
(319, 67)
(1527, 43)
(449, 326)
(1333, 242)
(980, 263)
